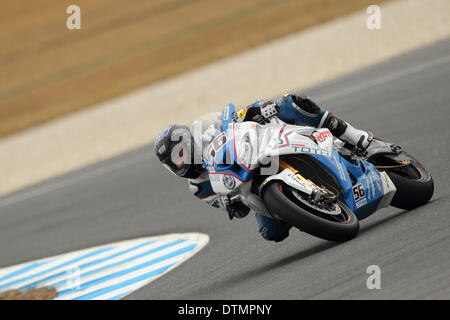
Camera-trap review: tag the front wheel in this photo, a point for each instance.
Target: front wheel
(334, 221)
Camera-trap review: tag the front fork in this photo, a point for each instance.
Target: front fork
(319, 193)
(284, 165)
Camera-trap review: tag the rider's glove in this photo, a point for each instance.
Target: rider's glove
(261, 113)
(239, 210)
(235, 209)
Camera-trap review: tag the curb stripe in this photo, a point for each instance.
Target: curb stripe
(168, 245)
(24, 269)
(125, 283)
(56, 267)
(105, 272)
(133, 287)
(129, 270)
(89, 264)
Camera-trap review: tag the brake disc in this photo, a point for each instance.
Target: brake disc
(336, 209)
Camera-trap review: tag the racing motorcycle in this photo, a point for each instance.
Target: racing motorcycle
(310, 179)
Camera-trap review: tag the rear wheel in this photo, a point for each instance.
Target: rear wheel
(414, 184)
(329, 221)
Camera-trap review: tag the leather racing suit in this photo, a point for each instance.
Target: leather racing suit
(292, 109)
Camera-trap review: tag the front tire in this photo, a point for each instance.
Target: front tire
(282, 201)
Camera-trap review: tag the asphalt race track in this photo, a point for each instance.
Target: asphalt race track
(405, 100)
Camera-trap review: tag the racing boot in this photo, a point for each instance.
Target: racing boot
(358, 139)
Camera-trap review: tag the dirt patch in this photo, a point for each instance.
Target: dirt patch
(30, 294)
(48, 71)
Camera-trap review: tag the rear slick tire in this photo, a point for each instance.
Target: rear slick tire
(412, 192)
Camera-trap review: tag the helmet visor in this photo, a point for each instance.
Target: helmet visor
(180, 159)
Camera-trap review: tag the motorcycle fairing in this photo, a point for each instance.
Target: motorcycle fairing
(249, 144)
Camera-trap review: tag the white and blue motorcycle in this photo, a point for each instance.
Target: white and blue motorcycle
(310, 179)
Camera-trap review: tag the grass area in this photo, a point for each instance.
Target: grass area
(47, 70)
(29, 294)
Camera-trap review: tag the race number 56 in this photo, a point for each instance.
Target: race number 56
(359, 192)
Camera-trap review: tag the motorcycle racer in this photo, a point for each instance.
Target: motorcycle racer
(175, 148)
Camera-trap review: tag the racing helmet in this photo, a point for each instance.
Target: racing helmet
(174, 147)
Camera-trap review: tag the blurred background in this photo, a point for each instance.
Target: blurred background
(79, 111)
(47, 70)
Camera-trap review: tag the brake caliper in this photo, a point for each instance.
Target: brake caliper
(320, 195)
